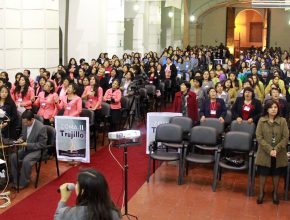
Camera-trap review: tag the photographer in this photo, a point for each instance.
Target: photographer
(93, 199)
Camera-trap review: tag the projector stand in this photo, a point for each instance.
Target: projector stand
(126, 184)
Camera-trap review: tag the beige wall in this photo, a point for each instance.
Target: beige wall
(280, 29)
(214, 33)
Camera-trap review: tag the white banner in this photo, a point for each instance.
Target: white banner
(153, 120)
(72, 138)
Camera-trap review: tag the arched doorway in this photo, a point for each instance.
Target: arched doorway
(250, 30)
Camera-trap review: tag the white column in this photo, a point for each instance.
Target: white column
(153, 26)
(115, 27)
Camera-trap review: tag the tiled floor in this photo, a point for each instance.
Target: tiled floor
(163, 199)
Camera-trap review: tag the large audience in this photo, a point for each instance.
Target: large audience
(209, 72)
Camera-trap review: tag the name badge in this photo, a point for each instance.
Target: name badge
(90, 100)
(20, 100)
(43, 104)
(213, 112)
(68, 107)
(246, 108)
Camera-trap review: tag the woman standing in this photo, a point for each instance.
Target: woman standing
(93, 199)
(213, 107)
(46, 103)
(23, 95)
(71, 103)
(113, 97)
(185, 102)
(272, 135)
(93, 96)
(8, 125)
(247, 107)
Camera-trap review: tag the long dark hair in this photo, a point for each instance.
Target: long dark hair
(26, 86)
(96, 86)
(94, 193)
(268, 105)
(8, 100)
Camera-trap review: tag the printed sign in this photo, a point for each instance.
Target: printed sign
(72, 138)
(153, 120)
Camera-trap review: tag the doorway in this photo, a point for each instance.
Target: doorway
(249, 29)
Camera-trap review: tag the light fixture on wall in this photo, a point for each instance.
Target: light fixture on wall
(289, 22)
(170, 14)
(136, 7)
(192, 18)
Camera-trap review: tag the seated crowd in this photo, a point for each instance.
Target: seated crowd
(204, 82)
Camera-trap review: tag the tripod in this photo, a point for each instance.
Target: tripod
(125, 145)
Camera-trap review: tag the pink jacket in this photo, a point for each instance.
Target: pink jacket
(31, 82)
(116, 95)
(92, 101)
(47, 107)
(73, 108)
(62, 92)
(26, 101)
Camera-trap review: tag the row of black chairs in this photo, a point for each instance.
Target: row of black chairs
(207, 143)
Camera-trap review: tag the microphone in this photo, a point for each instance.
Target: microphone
(70, 187)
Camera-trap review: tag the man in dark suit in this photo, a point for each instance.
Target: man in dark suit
(33, 139)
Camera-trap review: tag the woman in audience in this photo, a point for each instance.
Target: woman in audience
(46, 102)
(213, 76)
(213, 107)
(283, 105)
(236, 83)
(228, 87)
(258, 87)
(40, 85)
(126, 85)
(185, 102)
(23, 94)
(110, 79)
(278, 83)
(113, 97)
(197, 89)
(272, 135)
(17, 78)
(83, 86)
(71, 103)
(63, 89)
(247, 107)
(8, 123)
(220, 93)
(93, 199)
(93, 96)
(5, 77)
(72, 68)
(206, 82)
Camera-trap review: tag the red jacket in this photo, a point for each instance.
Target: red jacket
(191, 105)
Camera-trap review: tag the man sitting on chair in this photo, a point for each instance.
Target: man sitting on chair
(33, 139)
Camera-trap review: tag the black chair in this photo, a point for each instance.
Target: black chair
(203, 145)
(91, 115)
(171, 134)
(215, 123)
(51, 135)
(185, 122)
(237, 142)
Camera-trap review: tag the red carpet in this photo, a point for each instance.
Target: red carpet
(42, 204)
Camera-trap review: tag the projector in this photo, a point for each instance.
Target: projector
(121, 135)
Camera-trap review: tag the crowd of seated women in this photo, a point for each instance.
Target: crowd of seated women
(218, 81)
